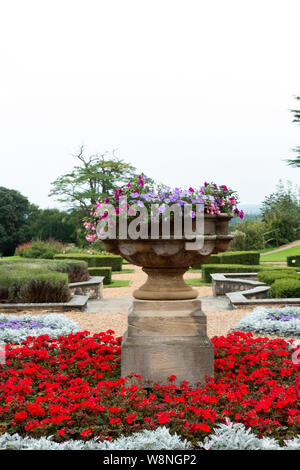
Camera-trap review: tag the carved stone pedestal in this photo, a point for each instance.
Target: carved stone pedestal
(167, 337)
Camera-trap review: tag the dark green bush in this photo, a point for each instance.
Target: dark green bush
(95, 261)
(268, 277)
(293, 261)
(213, 259)
(240, 257)
(208, 269)
(103, 271)
(40, 249)
(36, 286)
(285, 289)
(233, 257)
(77, 270)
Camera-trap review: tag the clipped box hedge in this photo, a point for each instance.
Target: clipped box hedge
(268, 277)
(94, 261)
(293, 260)
(285, 289)
(77, 270)
(103, 271)
(208, 269)
(233, 257)
(33, 286)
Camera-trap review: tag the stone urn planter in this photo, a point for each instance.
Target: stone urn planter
(166, 327)
(165, 261)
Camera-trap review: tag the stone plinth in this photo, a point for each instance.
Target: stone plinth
(167, 337)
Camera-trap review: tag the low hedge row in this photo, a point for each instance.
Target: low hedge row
(293, 261)
(39, 280)
(233, 257)
(285, 288)
(33, 286)
(104, 271)
(269, 277)
(94, 261)
(77, 270)
(208, 269)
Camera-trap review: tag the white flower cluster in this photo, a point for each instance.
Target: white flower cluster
(53, 324)
(230, 436)
(259, 321)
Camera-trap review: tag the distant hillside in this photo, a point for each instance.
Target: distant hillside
(252, 211)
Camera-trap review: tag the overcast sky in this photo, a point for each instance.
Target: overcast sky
(186, 91)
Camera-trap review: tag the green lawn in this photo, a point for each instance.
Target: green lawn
(281, 255)
(197, 281)
(124, 271)
(117, 283)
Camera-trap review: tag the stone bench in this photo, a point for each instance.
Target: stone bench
(93, 286)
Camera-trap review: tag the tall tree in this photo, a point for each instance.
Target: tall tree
(52, 223)
(16, 216)
(96, 175)
(295, 162)
(281, 213)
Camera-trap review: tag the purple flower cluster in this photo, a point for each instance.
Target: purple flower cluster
(283, 316)
(19, 324)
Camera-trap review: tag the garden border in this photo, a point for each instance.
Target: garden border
(244, 292)
(77, 302)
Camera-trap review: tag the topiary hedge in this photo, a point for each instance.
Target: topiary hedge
(268, 277)
(35, 286)
(285, 288)
(240, 257)
(233, 257)
(94, 261)
(104, 271)
(208, 269)
(293, 261)
(77, 270)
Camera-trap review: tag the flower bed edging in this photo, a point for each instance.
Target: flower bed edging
(260, 321)
(53, 325)
(229, 436)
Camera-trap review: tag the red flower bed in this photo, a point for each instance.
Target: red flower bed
(70, 387)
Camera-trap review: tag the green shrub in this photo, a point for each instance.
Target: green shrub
(77, 270)
(36, 286)
(293, 261)
(285, 288)
(103, 271)
(268, 277)
(254, 231)
(208, 269)
(40, 249)
(233, 257)
(95, 261)
(240, 257)
(213, 259)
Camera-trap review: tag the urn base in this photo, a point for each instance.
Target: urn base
(165, 284)
(167, 338)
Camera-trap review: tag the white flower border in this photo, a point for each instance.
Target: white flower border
(230, 436)
(62, 326)
(258, 322)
